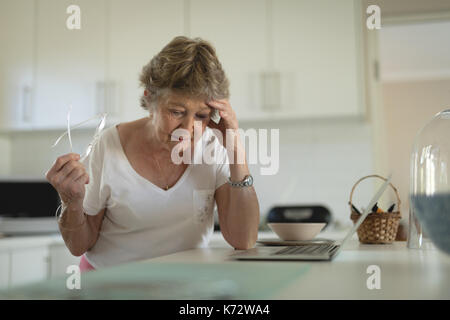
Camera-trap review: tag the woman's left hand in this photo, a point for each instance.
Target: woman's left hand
(228, 119)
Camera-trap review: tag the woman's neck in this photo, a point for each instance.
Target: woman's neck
(152, 144)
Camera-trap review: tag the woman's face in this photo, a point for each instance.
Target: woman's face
(177, 111)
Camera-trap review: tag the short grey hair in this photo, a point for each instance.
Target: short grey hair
(185, 66)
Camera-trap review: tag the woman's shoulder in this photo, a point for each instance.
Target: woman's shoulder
(126, 130)
(122, 130)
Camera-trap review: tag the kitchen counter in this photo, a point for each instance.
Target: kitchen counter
(402, 273)
(217, 239)
(16, 242)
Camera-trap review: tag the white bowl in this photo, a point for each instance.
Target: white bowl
(296, 231)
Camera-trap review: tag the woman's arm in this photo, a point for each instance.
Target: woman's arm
(238, 207)
(79, 230)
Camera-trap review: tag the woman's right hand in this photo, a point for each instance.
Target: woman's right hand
(68, 176)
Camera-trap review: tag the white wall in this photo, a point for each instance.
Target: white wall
(415, 52)
(415, 77)
(32, 155)
(319, 164)
(417, 102)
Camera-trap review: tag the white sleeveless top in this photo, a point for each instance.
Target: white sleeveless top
(143, 221)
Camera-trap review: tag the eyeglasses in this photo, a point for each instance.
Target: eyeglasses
(98, 130)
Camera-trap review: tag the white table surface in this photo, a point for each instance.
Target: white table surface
(404, 273)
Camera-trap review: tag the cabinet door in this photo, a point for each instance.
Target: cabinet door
(317, 50)
(16, 63)
(237, 29)
(60, 259)
(4, 270)
(139, 29)
(70, 63)
(29, 265)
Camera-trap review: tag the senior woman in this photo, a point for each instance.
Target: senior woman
(129, 200)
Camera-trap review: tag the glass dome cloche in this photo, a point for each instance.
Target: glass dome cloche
(430, 184)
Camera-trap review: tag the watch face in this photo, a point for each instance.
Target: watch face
(250, 180)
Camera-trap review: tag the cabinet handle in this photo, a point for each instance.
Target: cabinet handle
(26, 104)
(100, 97)
(111, 98)
(106, 99)
(270, 83)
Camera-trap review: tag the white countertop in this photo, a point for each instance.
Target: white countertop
(404, 273)
(17, 242)
(8, 242)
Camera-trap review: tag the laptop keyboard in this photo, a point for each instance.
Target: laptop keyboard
(319, 249)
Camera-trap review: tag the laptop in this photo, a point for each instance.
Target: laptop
(326, 251)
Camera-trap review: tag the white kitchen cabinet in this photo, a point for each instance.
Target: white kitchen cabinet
(290, 58)
(16, 63)
(29, 265)
(70, 64)
(317, 50)
(60, 259)
(139, 29)
(29, 259)
(237, 29)
(4, 270)
(284, 58)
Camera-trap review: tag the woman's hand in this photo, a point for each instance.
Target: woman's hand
(68, 176)
(228, 119)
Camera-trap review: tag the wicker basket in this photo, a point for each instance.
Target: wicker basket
(377, 228)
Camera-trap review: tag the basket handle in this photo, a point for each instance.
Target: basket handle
(373, 176)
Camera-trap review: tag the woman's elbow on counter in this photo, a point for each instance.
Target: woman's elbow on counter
(76, 249)
(77, 252)
(243, 244)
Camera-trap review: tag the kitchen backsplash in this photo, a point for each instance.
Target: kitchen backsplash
(319, 163)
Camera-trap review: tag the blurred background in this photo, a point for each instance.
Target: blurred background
(347, 100)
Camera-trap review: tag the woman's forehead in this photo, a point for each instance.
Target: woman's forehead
(187, 102)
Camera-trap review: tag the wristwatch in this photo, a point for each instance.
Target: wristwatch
(247, 182)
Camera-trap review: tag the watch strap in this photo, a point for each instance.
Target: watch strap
(246, 182)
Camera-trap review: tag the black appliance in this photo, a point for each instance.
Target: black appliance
(27, 207)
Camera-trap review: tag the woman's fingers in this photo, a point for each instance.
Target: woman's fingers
(83, 178)
(68, 177)
(75, 174)
(213, 125)
(222, 101)
(68, 169)
(60, 162)
(217, 104)
(222, 108)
